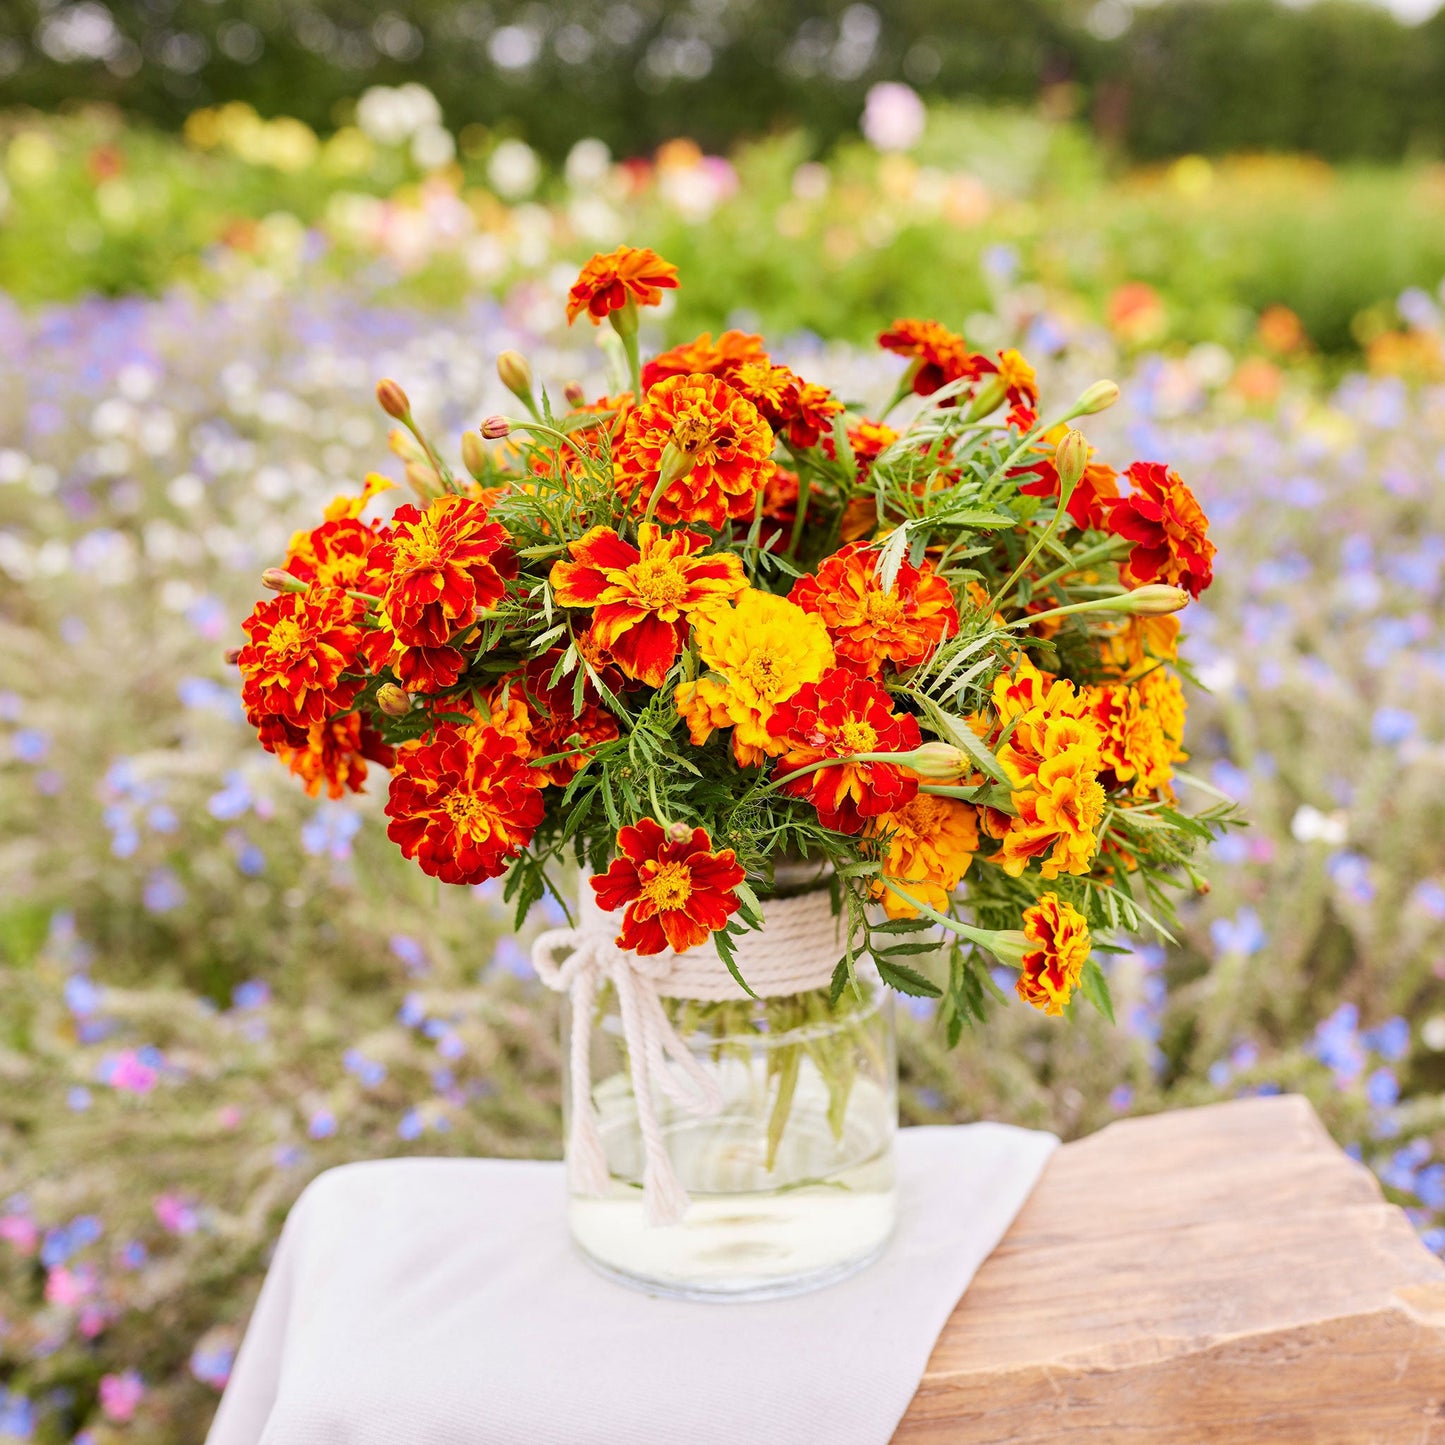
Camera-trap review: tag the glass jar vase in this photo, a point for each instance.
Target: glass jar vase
(789, 1178)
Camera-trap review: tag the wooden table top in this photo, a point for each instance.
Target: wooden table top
(1223, 1275)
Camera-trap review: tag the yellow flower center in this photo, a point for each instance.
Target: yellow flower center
(765, 673)
(691, 429)
(659, 582)
(420, 550)
(857, 736)
(469, 814)
(285, 636)
(669, 887)
(883, 607)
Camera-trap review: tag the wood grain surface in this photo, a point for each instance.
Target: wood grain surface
(1214, 1276)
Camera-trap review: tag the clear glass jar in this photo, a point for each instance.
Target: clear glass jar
(791, 1182)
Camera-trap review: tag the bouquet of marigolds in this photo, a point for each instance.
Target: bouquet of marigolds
(720, 620)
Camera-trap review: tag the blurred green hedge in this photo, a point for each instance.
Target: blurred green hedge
(1341, 78)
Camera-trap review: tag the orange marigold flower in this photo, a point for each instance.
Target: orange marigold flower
(759, 653)
(1136, 645)
(802, 410)
(704, 357)
(1052, 968)
(939, 355)
(868, 440)
(930, 844)
(1164, 520)
(1089, 502)
(643, 597)
(838, 716)
(715, 431)
(870, 626)
(334, 752)
(301, 644)
(607, 283)
(1135, 748)
(447, 564)
(463, 804)
(675, 892)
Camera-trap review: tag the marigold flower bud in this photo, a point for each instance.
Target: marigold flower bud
(394, 701)
(1071, 456)
(515, 373)
(673, 464)
(424, 481)
(392, 399)
(1154, 600)
(231, 656)
(574, 393)
(495, 428)
(405, 446)
(679, 832)
(1099, 397)
(278, 579)
(474, 456)
(987, 398)
(938, 760)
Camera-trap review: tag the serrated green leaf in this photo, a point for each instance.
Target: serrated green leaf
(907, 980)
(1095, 988)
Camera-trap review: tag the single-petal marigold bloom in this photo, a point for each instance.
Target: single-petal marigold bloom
(939, 355)
(1164, 520)
(1052, 968)
(643, 597)
(870, 626)
(704, 357)
(608, 282)
(674, 893)
(463, 804)
(715, 430)
(335, 752)
(836, 717)
(930, 843)
(447, 564)
(760, 652)
(300, 645)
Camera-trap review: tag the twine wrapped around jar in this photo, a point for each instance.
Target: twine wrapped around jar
(796, 950)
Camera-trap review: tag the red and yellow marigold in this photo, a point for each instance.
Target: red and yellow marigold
(540, 713)
(939, 356)
(643, 597)
(446, 564)
(1168, 528)
(759, 653)
(334, 753)
(834, 718)
(1021, 387)
(1052, 968)
(713, 438)
(1096, 488)
(673, 889)
(930, 843)
(870, 626)
(463, 804)
(301, 647)
(608, 282)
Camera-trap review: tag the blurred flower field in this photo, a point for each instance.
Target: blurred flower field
(216, 986)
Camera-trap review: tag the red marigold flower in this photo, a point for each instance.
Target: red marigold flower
(643, 597)
(706, 421)
(704, 357)
(1164, 520)
(446, 564)
(339, 554)
(334, 752)
(939, 355)
(870, 626)
(675, 893)
(838, 716)
(463, 804)
(608, 282)
(300, 645)
(553, 724)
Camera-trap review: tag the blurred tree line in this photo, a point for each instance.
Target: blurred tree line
(1342, 78)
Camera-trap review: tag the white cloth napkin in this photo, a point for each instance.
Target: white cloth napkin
(439, 1302)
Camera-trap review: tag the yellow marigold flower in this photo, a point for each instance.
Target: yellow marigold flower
(1057, 817)
(761, 651)
(1141, 728)
(1052, 968)
(1163, 693)
(931, 842)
